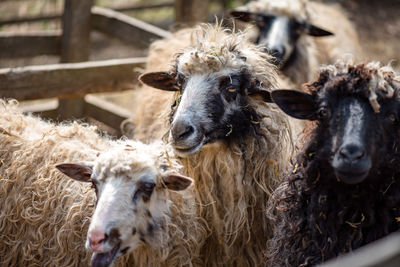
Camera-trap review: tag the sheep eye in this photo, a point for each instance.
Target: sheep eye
(323, 113)
(148, 187)
(144, 189)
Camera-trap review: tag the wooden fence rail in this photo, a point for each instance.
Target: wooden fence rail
(57, 16)
(30, 44)
(125, 28)
(132, 31)
(69, 79)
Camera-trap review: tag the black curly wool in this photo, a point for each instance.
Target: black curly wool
(317, 216)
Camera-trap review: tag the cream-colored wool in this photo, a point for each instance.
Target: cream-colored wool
(45, 215)
(313, 51)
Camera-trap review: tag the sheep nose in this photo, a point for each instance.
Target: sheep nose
(278, 53)
(352, 152)
(181, 130)
(96, 240)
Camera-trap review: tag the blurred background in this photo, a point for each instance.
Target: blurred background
(377, 23)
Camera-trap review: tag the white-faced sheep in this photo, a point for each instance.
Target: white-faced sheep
(141, 208)
(344, 190)
(286, 28)
(233, 143)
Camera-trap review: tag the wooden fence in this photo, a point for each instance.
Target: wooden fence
(74, 78)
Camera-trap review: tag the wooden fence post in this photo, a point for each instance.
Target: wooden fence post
(75, 47)
(190, 12)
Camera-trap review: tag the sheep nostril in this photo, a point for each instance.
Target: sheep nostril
(181, 131)
(352, 152)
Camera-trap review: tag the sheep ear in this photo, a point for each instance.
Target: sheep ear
(176, 181)
(317, 31)
(160, 80)
(78, 172)
(243, 16)
(295, 103)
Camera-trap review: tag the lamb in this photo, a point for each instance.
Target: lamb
(344, 190)
(286, 28)
(231, 141)
(142, 209)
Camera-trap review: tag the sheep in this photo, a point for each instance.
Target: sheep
(344, 190)
(286, 28)
(232, 142)
(45, 216)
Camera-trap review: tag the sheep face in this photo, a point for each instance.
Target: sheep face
(133, 202)
(212, 106)
(354, 138)
(279, 33)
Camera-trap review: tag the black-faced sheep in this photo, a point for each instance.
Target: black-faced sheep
(233, 143)
(286, 28)
(344, 190)
(45, 216)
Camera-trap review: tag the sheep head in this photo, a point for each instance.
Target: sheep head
(280, 23)
(358, 109)
(132, 183)
(216, 80)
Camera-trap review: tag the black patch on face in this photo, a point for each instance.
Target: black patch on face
(125, 250)
(134, 231)
(146, 198)
(242, 120)
(114, 235)
(144, 189)
(150, 228)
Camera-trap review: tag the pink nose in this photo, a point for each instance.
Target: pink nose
(96, 240)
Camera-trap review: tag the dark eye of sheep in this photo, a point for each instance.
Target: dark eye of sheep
(264, 21)
(230, 84)
(323, 113)
(297, 29)
(145, 189)
(148, 187)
